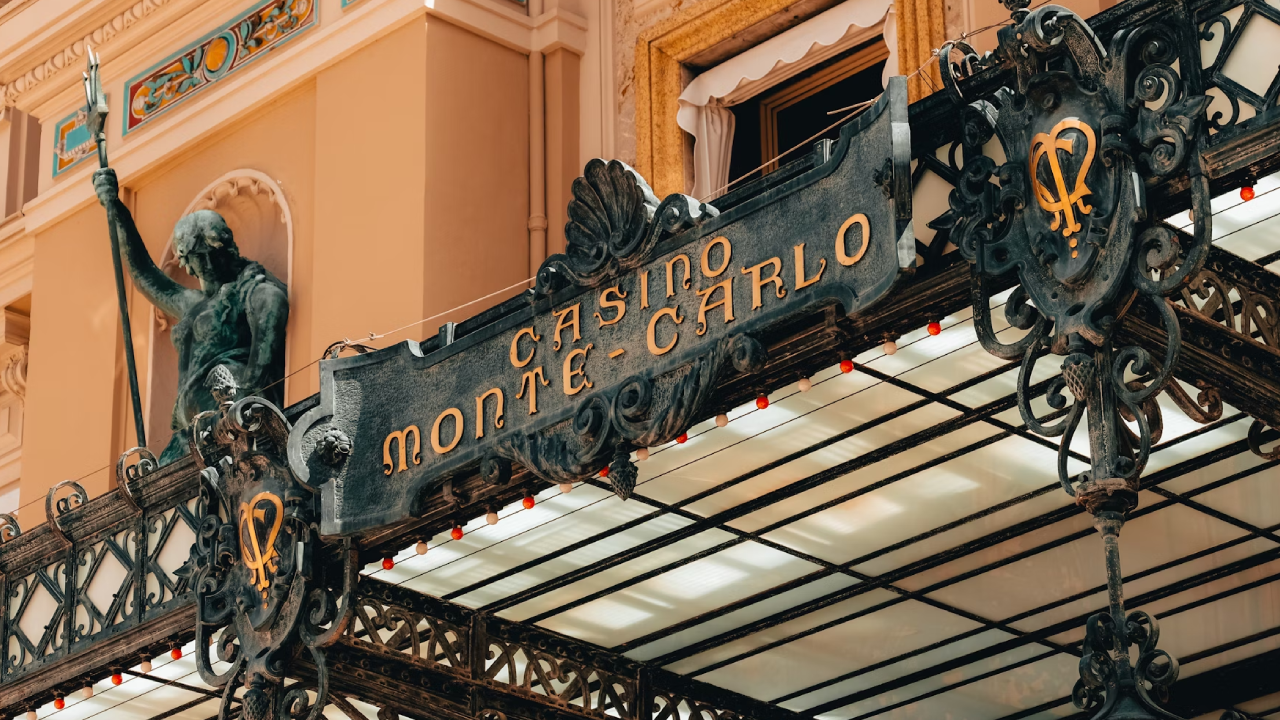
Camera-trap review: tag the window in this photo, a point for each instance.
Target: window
(795, 111)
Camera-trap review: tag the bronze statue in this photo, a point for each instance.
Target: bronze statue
(235, 320)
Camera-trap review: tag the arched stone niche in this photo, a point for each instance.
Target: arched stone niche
(256, 210)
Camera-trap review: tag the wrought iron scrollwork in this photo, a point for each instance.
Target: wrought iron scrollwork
(261, 597)
(1085, 130)
(643, 412)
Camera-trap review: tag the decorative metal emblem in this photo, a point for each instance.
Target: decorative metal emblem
(277, 601)
(1084, 132)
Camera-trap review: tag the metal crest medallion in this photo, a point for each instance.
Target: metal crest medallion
(262, 597)
(1087, 129)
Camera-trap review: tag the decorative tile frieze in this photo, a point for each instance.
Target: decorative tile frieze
(72, 142)
(220, 53)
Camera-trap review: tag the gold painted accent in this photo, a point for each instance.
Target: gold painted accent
(1073, 242)
(1075, 253)
(569, 372)
(562, 324)
(1064, 206)
(644, 290)
(705, 262)
(662, 51)
(921, 28)
(726, 302)
(616, 353)
(617, 304)
(757, 283)
(651, 336)
(402, 437)
(515, 347)
(841, 256)
(497, 415)
(671, 275)
(527, 382)
(456, 414)
(801, 281)
(260, 558)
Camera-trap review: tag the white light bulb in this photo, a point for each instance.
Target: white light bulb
(805, 384)
(421, 548)
(145, 666)
(722, 420)
(87, 692)
(890, 347)
(491, 518)
(566, 488)
(642, 454)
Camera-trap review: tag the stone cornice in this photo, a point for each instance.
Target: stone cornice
(62, 55)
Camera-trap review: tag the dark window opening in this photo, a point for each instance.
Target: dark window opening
(797, 109)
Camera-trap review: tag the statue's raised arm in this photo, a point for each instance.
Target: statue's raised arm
(230, 333)
(163, 291)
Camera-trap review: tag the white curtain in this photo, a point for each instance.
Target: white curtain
(713, 141)
(704, 104)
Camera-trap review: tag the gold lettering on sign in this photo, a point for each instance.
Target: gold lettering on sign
(726, 301)
(706, 256)
(569, 372)
(562, 323)
(644, 290)
(652, 336)
(515, 347)
(1047, 145)
(527, 383)
(617, 305)
(801, 281)
(758, 283)
(436, 445)
(843, 257)
(671, 276)
(401, 437)
(497, 414)
(259, 556)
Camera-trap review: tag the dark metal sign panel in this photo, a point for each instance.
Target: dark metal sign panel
(625, 336)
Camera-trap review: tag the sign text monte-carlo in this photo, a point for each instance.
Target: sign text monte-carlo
(521, 388)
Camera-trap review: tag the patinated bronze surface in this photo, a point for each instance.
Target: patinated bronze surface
(235, 320)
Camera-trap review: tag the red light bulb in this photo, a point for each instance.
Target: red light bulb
(176, 653)
(604, 471)
(934, 327)
(684, 438)
(388, 563)
(59, 703)
(762, 402)
(1246, 193)
(846, 366)
(456, 532)
(528, 502)
(116, 679)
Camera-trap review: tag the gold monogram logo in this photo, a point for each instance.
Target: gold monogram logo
(1065, 205)
(260, 557)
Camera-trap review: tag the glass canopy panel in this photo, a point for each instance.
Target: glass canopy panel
(897, 628)
(679, 594)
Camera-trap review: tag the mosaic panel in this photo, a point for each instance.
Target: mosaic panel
(72, 142)
(238, 43)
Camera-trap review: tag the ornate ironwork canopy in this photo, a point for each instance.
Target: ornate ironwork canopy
(889, 541)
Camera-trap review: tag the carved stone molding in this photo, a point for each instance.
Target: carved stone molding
(72, 56)
(13, 372)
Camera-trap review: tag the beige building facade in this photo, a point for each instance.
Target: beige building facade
(390, 160)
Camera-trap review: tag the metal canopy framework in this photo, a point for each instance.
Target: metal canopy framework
(890, 543)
